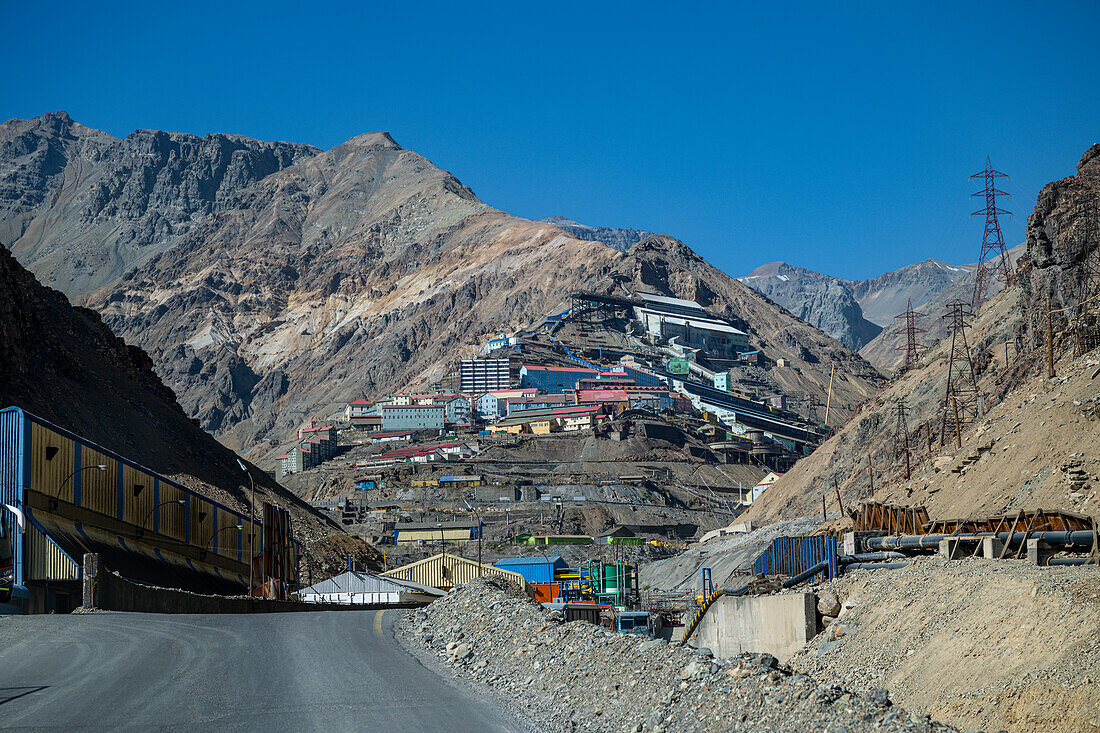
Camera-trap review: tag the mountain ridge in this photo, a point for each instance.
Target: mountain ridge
(365, 268)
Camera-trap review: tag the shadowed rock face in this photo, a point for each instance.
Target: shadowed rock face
(352, 272)
(1062, 260)
(63, 364)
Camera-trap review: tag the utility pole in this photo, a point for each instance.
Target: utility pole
(829, 398)
(993, 262)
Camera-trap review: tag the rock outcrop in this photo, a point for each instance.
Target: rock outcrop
(79, 207)
(620, 239)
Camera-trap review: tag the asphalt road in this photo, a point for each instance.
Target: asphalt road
(332, 671)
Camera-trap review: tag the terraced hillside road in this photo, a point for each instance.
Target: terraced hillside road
(337, 670)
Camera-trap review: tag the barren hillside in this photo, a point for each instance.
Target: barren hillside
(1034, 446)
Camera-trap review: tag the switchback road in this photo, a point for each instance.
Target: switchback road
(331, 671)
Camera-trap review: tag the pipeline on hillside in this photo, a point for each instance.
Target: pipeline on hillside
(932, 541)
(865, 557)
(876, 566)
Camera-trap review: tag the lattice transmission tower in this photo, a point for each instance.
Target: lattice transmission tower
(901, 435)
(994, 262)
(909, 327)
(960, 400)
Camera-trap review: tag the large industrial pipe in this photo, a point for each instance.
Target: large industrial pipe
(932, 541)
(869, 557)
(876, 565)
(795, 580)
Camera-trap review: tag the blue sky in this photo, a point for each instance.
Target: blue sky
(836, 136)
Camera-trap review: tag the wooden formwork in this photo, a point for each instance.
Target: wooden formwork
(875, 517)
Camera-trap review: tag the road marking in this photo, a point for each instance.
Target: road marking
(378, 622)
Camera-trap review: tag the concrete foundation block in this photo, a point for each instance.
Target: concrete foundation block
(853, 541)
(1038, 552)
(992, 548)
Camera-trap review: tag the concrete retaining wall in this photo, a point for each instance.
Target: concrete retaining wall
(109, 591)
(777, 625)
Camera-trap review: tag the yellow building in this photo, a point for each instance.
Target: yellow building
(446, 571)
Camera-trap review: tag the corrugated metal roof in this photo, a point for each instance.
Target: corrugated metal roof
(529, 561)
(357, 582)
(445, 571)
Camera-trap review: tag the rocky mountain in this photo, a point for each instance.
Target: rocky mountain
(363, 269)
(620, 239)
(887, 295)
(79, 207)
(63, 364)
(1034, 445)
(886, 350)
(820, 300)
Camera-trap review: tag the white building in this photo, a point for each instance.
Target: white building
(484, 375)
(358, 409)
(690, 324)
(366, 588)
(763, 486)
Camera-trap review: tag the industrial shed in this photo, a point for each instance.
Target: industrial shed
(367, 588)
(405, 533)
(62, 495)
(445, 571)
(534, 569)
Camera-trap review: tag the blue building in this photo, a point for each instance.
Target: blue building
(553, 379)
(534, 569)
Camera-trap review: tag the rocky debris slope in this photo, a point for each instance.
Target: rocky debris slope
(820, 300)
(727, 557)
(64, 365)
(79, 207)
(615, 238)
(576, 676)
(993, 644)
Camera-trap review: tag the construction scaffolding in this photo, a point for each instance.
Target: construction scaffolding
(909, 328)
(993, 262)
(961, 404)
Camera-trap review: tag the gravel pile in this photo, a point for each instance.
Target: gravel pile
(576, 676)
(993, 644)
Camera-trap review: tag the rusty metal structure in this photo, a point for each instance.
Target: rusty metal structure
(961, 405)
(909, 326)
(993, 262)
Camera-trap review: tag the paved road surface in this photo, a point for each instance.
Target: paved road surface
(332, 671)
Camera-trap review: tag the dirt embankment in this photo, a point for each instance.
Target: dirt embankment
(987, 644)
